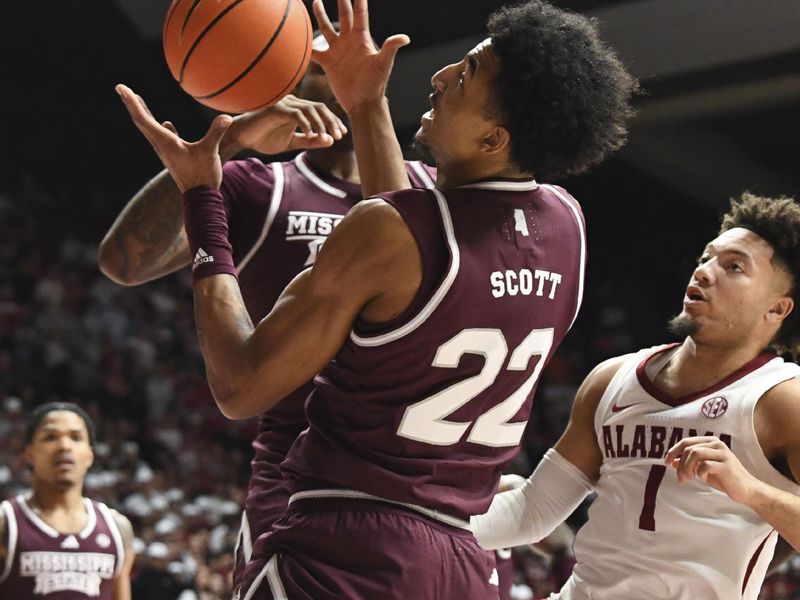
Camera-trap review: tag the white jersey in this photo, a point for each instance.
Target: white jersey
(649, 537)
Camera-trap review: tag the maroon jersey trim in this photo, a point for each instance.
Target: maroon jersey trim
(115, 533)
(582, 231)
(306, 171)
(11, 526)
(649, 387)
(439, 294)
(274, 205)
(753, 560)
(423, 175)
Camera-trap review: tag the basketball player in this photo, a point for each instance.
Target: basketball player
(55, 544)
(428, 314)
(281, 213)
(693, 448)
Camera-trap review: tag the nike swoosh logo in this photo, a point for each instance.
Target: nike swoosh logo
(616, 408)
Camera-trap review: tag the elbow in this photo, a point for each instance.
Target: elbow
(237, 403)
(112, 264)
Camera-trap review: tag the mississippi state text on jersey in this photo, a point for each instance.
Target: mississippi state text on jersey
(44, 563)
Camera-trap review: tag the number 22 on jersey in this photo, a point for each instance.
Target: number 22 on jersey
(425, 421)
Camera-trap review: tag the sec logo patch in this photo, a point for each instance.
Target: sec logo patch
(713, 408)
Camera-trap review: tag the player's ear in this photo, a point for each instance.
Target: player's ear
(780, 309)
(496, 140)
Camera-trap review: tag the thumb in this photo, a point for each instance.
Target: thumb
(217, 130)
(302, 141)
(392, 45)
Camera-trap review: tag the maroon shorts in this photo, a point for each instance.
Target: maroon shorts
(329, 549)
(267, 493)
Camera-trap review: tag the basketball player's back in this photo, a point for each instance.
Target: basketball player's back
(428, 409)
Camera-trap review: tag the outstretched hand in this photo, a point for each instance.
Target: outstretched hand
(191, 164)
(358, 73)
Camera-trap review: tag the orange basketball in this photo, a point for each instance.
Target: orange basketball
(237, 55)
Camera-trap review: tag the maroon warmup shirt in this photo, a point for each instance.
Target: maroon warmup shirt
(429, 409)
(44, 563)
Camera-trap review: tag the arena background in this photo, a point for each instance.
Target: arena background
(720, 113)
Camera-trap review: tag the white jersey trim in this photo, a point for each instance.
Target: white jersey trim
(356, 495)
(424, 176)
(244, 540)
(504, 186)
(36, 519)
(39, 523)
(312, 177)
(91, 523)
(274, 205)
(116, 534)
(437, 297)
(582, 232)
(13, 534)
(270, 571)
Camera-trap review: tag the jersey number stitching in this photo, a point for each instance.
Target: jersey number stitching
(425, 421)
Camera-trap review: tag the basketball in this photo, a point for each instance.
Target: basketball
(237, 55)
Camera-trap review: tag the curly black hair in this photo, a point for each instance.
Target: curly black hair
(562, 93)
(40, 412)
(776, 221)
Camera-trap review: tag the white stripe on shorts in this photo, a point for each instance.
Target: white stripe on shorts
(270, 571)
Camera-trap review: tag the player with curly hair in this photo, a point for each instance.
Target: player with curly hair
(429, 314)
(692, 448)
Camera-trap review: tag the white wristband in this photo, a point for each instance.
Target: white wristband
(530, 513)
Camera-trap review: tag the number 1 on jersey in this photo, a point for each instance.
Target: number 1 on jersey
(647, 520)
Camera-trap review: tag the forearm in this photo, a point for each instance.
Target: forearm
(224, 329)
(380, 159)
(778, 508)
(527, 514)
(146, 241)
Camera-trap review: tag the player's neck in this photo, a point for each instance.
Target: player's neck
(339, 164)
(63, 509)
(48, 497)
(695, 367)
(459, 173)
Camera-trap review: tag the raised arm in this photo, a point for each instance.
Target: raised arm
(147, 240)
(122, 582)
(358, 75)
(559, 484)
(777, 423)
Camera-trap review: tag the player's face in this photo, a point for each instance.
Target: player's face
(60, 453)
(736, 293)
(456, 127)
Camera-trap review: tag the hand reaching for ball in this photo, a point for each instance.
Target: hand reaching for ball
(291, 124)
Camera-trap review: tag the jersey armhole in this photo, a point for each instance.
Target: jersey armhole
(12, 536)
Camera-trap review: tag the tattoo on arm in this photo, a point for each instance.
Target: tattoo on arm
(148, 234)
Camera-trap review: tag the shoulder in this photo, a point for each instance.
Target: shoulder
(249, 173)
(779, 411)
(597, 381)
(125, 527)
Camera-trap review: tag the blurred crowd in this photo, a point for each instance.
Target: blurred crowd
(165, 456)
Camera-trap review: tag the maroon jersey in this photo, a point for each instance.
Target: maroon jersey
(281, 213)
(428, 410)
(44, 563)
